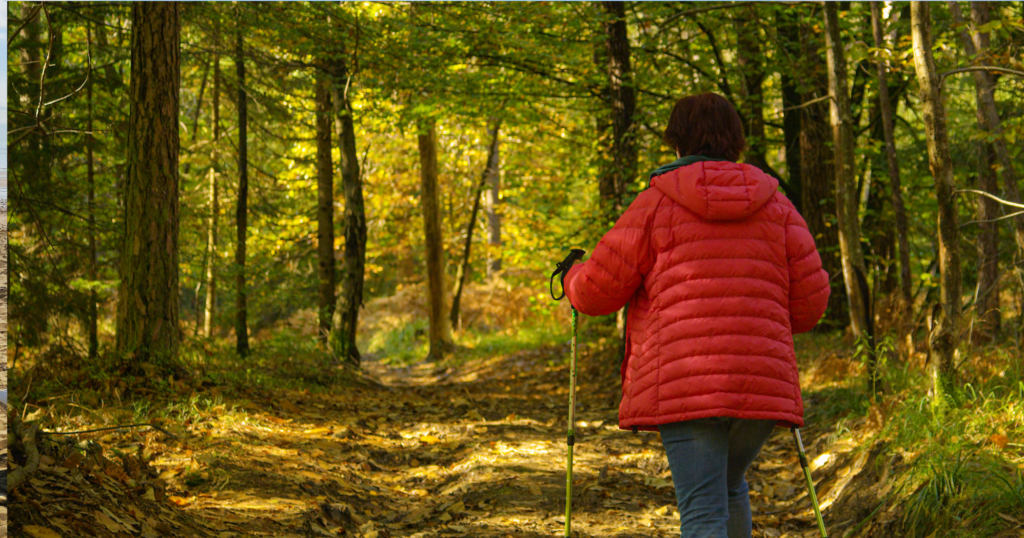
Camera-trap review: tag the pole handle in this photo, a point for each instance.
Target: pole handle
(562, 269)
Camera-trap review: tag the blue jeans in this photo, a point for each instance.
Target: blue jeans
(709, 458)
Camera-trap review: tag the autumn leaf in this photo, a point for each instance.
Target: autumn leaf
(35, 531)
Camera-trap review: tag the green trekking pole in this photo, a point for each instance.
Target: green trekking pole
(570, 440)
(810, 482)
(563, 268)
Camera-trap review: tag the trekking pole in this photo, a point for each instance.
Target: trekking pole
(810, 483)
(562, 269)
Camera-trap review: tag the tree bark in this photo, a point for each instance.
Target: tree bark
(976, 45)
(945, 335)
(749, 56)
(346, 312)
(460, 276)
(211, 237)
(789, 36)
(241, 209)
(147, 317)
(93, 313)
(491, 205)
(440, 329)
(818, 171)
(325, 203)
(621, 102)
(986, 302)
(854, 270)
(899, 212)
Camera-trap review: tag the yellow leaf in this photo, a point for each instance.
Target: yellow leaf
(180, 501)
(999, 440)
(429, 439)
(110, 524)
(288, 406)
(35, 531)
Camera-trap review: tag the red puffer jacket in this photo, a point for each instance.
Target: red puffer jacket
(719, 270)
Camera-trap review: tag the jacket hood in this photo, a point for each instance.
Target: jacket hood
(718, 190)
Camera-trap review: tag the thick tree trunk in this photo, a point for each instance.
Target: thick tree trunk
(460, 276)
(325, 203)
(350, 298)
(211, 236)
(987, 296)
(241, 209)
(749, 58)
(946, 333)
(789, 36)
(147, 317)
(899, 212)
(93, 313)
(854, 270)
(491, 205)
(440, 329)
(817, 169)
(621, 102)
(976, 45)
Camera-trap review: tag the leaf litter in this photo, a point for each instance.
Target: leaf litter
(475, 449)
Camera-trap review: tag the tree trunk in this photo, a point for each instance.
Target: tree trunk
(986, 302)
(350, 300)
(818, 172)
(211, 237)
(789, 37)
(93, 313)
(491, 205)
(748, 57)
(976, 45)
(241, 210)
(147, 317)
(460, 276)
(946, 333)
(325, 203)
(854, 270)
(621, 95)
(440, 330)
(899, 212)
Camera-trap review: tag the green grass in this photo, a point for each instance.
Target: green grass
(963, 460)
(408, 344)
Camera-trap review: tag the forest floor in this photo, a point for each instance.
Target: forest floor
(467, 448)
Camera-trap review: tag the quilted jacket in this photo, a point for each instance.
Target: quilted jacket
(720, 271)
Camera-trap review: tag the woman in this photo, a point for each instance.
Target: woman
(719, 271)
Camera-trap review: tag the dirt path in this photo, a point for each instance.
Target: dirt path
(478, 451)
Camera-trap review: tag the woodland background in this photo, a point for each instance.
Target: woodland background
(217, 205)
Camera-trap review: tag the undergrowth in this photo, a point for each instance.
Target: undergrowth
(962, 460)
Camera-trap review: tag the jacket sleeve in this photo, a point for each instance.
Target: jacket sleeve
(619, 262)
(808, 282)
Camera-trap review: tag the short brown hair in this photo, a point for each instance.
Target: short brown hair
(708, 125)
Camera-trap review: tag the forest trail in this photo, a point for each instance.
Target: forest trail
(477, 450)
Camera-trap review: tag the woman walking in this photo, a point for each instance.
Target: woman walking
(719, 270)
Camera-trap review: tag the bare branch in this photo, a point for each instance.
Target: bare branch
(992, 196)
(990, 68)
(31, 16)
(1004, 217)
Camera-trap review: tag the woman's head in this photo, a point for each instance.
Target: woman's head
(708, 125)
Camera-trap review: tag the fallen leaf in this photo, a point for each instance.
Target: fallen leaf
(105, 520)
(999, 440)
(35, 531)
(288, 406)
(1011, 519)
(429, 439)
